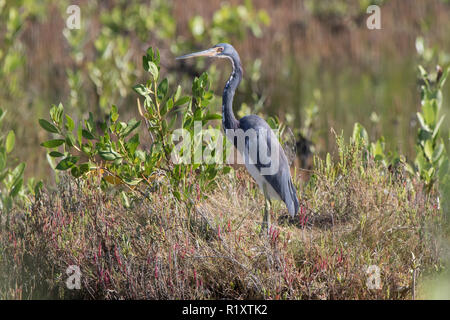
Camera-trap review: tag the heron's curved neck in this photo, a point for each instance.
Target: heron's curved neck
(228, 119)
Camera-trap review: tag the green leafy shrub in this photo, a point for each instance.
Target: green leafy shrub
(11, 179)
(349, 219)
(430, 146)
(112, 148)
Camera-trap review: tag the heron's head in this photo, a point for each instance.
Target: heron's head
(221, 50)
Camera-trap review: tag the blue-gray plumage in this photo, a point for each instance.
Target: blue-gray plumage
(276, 185)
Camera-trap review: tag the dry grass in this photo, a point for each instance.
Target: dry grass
(154, 249)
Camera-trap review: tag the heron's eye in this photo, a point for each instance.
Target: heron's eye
(219, 49)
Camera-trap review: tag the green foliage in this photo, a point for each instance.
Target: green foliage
(160, 112)
(142, 17)
(430, 147)
(110, 70)
(110, 73)
(374, 150)
(11, 178)
(358, 154)
(13, 15)
(112, 147)
(98, 60)
(92, 144)
(388, 217)
(229, 21)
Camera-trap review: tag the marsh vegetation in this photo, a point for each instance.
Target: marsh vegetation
(86, 176)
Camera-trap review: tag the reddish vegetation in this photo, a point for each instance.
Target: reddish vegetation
(155, 250)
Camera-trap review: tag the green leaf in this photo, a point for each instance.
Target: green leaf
(438, 125)
(2, 161)
(132, 144)
(80, 170)
(38, 187)
(166, 107)
(409, 168)
(131, 125)
(212, 116)
(67, 163)
(108, 154)
(141, 89)
(172, 121)
(430, 173)
(424, 76)
(70, 139)
(360, 134)
(177, 93)
(429, 110)
(423, 136)
(114, 114)
(422, 122)
(48, 126)
(164, 127)
(103, 126)
(226, 170)
(132, 182)
(56, 114)
(145, 62)
(328, 161)
(437, 152)
(17, 173)
(272, 123)
(70, 124)
(181, 101)
(90, 123)
(421, 162)
(7, 204)
(75, 171)
(153, 69)
(16, 188)
(56, 154)
(177, 195)
(140, 154)
(86, 148)
(85, 167)
(443, 77)
(188, 122)
(153, 55)
(52, 143)
(428, 149)
(59, 114)
(163, 88)
(10, 140)
(86, 134)
(125, 201)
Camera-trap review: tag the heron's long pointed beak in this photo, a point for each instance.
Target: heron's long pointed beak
(205, 53)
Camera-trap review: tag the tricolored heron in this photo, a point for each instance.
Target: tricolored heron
(275, 185)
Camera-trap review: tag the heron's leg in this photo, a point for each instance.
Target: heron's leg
(266, 220)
